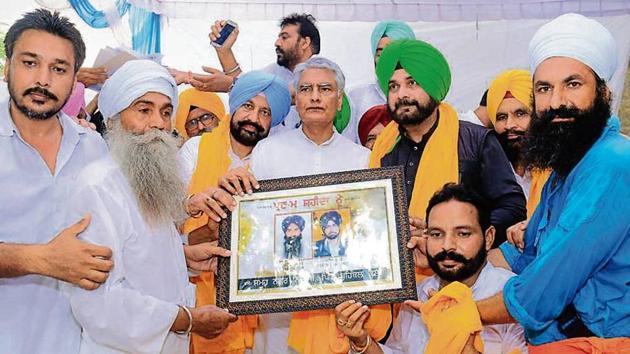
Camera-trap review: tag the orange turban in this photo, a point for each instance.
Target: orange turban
(209, 101)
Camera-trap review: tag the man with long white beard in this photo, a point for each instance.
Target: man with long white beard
(147, 304)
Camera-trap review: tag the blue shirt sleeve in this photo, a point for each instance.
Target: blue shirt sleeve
(586, 226)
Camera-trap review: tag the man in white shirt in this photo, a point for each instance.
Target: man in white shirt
(42, 151)
(147, 305)
(458, 237)
(257, 102)
(313, 148)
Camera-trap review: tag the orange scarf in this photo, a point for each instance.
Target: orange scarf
(584, 345)
(213, 161)
(451, 317)
(539, 178)
(439, 163)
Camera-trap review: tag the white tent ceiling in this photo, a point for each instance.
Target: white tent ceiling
(477, 50)
(375, 10)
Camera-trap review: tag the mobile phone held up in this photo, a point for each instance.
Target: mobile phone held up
(227, 29)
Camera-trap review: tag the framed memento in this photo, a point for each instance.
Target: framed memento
(313, 242)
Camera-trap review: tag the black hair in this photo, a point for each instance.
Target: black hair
(53, 23)
(306, 28)
(460, 193)
(484, 99)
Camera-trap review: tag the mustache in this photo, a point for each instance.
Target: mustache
(452, 255)
(41, 91)
(406, 102)
(279, 51)
(560, 112)
(259, 128)
(515, 132)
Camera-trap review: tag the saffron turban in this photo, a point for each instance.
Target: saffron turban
(132, 80)
(577, 37)
(393, 29)
(76, 101)
(517, 82)
(330, 215)
(421, 60)
(256, 82)
(293, 219)
(375, 115)
(192, 97)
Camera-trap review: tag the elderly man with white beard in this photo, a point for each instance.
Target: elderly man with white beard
(135, 196)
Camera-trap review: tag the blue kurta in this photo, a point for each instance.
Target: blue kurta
(577, 247)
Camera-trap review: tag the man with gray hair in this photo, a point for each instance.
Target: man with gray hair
(147, 304)
(313, 148)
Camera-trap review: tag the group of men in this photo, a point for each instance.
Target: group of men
(551, 179)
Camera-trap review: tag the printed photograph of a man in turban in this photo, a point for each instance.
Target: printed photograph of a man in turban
(292, 227)
(331, 245)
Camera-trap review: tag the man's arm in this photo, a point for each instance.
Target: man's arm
(65, 258)
(495, 256)
(499, 186)
(493, 311)
(224, 53)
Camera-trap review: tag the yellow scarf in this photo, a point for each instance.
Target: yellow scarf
(315, 332)
(451, 317)
(213, 162)
(439, 163)
(539, 178)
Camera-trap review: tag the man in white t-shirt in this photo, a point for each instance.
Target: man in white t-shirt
(458, 237)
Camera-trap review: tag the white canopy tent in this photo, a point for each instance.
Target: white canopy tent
(480, 38)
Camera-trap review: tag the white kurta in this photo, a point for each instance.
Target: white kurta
(35, 314)
(189, 154)
(132, 312)
(292, 154)
(410, 335)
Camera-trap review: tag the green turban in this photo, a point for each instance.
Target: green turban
(421, 60)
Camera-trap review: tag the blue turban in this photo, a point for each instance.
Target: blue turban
(131, 81)
(293, 219)
(393, 29)
(330, 215)
(255, 82)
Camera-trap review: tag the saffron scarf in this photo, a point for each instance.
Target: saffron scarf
(213, 162)
(439, 163)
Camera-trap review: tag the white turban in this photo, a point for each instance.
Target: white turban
(577, 37)
(131, 81)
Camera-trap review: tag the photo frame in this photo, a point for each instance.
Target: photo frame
(313, 242)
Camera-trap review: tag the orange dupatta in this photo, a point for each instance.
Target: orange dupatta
(213, 162)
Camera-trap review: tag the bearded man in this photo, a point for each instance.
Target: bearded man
(258, 102)
(292, 227)
(147, 305)
(509, 111)
(459, 236)
(432, 145)
(42, 151)
(578, 239)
